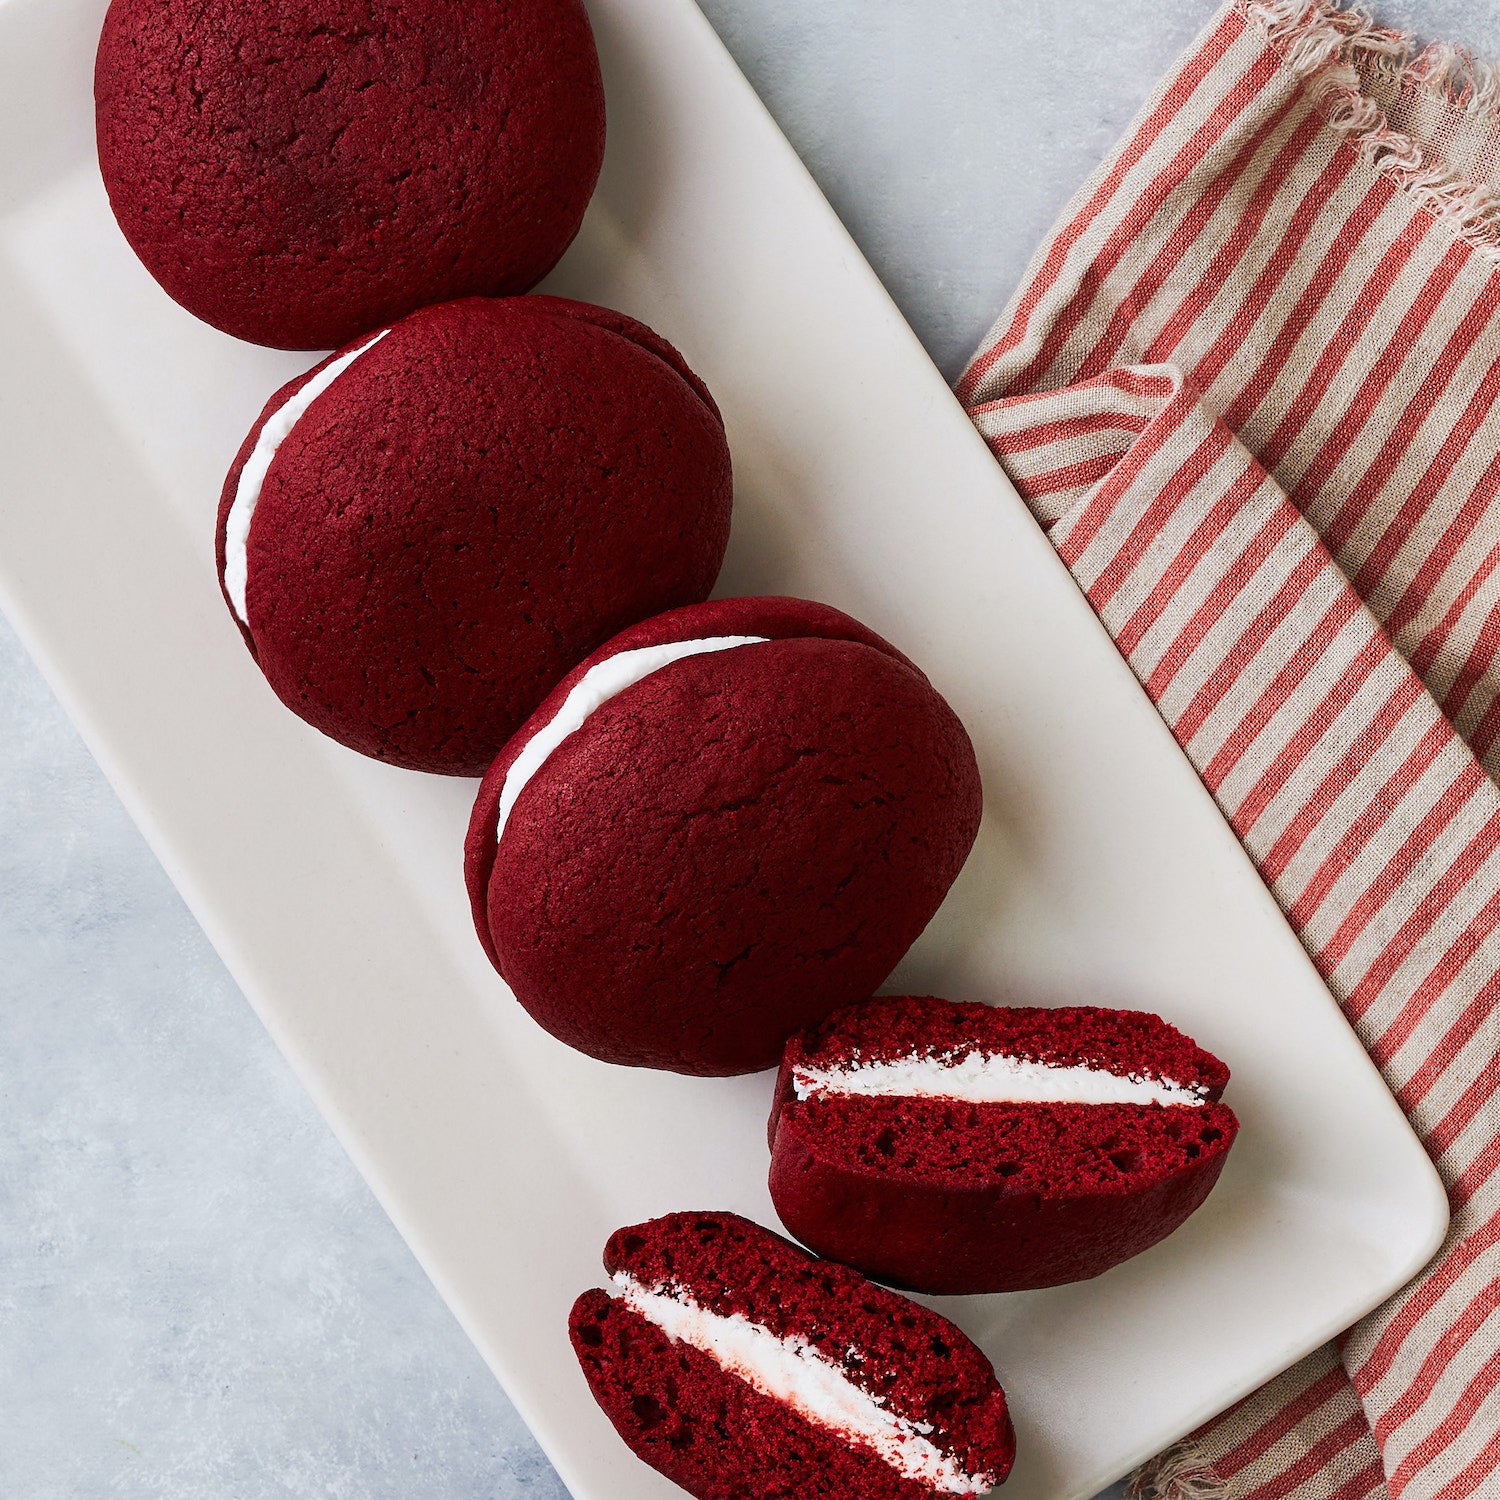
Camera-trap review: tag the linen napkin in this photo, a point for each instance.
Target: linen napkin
(1250, 387)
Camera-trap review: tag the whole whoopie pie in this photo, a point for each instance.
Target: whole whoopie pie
(725, 823)
(738, 1365)
(298, 172)
(423, 533)
(951, 1147)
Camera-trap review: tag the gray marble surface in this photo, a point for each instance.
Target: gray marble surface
(198, 1295)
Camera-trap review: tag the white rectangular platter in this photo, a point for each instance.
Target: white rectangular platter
(332, 886)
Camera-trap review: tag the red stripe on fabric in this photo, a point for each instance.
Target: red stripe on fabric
(1431, 644)
(1366, 214)
(1237, 243)
(1322, 1453)
(1232, 582)
(1424, 1295)
(1313, 647)
(1336, 447)
(1336, 347)
(1065, 430)
(1439, 1140)
(1283, 257)
(1132, 381)
(1434, 477)
(1128, 469)
(1082, 475)
(1370, 822)
(1481, 1307)
(1451, 1428)
(1341, 777)
(1475, 1175)
(1432, 568)
(1169, 258)
(1208, 531)
(1365, 490)
(1365, 1482)
(1435, 901)
(1335, 701)
(1469, 1481)
(1262, 625)
(1233, 102)
(1465, 1028)
(1479, 660)
(1459, 953)
(1265, 1437)
(1136, 384)
(1419, 923)
(1182, 88)
(1190, 473)
(1482, 740)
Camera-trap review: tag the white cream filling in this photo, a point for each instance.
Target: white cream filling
(592, 691)
(991, 1078)
(273, 434)
(793, 1372)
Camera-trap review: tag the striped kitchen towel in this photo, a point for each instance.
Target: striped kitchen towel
(1250, 389)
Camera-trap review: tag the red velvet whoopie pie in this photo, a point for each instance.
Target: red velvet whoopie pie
(738, 1365)
(958, 1148)
(297, 174)
(423, 533)
(725, 823)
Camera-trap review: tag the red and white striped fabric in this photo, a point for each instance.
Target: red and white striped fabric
(1250, 388)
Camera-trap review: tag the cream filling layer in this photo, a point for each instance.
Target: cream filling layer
(591, 692)
(793, 1372)
(990, 1078)
(273, 433)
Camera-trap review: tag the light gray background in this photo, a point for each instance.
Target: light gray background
(198, 1295)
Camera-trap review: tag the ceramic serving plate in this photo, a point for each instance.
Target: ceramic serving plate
(333, 889)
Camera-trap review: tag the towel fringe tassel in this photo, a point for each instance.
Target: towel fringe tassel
(1338, 51)
(1183, 1472)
